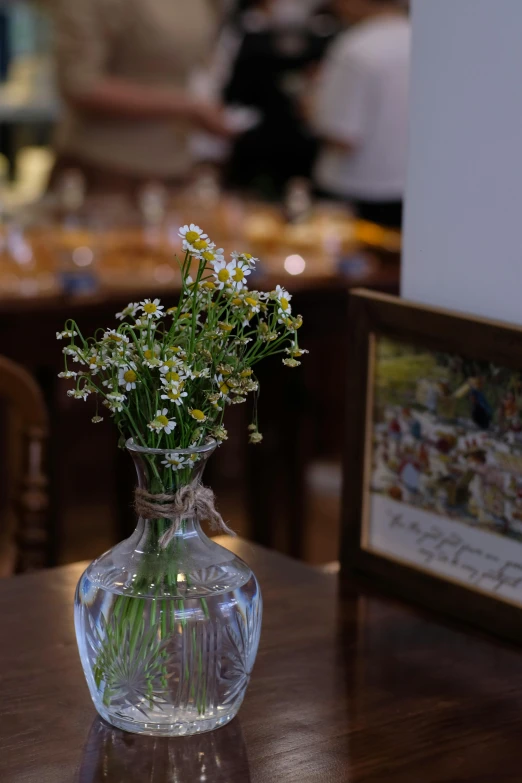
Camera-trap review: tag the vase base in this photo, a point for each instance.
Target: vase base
(176, 729)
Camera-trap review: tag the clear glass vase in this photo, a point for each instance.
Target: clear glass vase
(168, 634)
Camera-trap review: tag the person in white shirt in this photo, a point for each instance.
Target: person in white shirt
(361, 110)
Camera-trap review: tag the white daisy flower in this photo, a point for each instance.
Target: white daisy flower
(239, 275)
(67, 374)
(171, 376)
(245, 258)
(191, 233)
(128, 312)
(221, 383)
(96, 419)
(171, 364)
(97, 362)
(253, 303)
(152, 309)
(193, 374)
(116, 397)
(115, 401)
(175, 461)
(176, 350)
(174, 393)
(127, 376)
(191, 460)
(196, 243)
(61, 335)
(197, 414)
(223, 273)
(161, 422)
(112, 336)
(211, 255)
(283, 298)
(79, 394)
(151, 356)
(144, 323)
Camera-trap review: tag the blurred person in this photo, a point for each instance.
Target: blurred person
(123, 68)
(275, 45)
(361, 111)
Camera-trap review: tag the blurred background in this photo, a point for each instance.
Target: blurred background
(279, 127)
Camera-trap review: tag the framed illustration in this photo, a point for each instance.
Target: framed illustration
(432, 504)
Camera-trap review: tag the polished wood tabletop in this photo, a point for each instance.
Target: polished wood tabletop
(358, 688)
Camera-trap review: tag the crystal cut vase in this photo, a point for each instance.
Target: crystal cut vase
(168, 634)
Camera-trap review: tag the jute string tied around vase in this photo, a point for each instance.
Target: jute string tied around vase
(193, 500)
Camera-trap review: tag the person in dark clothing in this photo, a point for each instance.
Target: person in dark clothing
(279, 45)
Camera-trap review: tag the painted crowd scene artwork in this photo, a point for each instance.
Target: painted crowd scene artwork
(447, 436)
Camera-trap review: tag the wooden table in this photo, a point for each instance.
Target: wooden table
(355, 689)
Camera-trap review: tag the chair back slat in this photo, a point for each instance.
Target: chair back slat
(27, 493)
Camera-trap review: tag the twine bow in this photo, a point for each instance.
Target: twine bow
(193, 500)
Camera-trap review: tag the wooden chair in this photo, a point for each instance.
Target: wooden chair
(24, 502)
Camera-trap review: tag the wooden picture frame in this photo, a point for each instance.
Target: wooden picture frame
(471, 567)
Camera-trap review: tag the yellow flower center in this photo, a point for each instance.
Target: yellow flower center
(93, 360)
(163, 420)
(150, 308)
(171, 376)
(185, 315)
(173, 395)
(192, 236)
(115, 337)
(148, 354)
(223, 275)
(129, 376)
(199, 244)
(252, 302)
(209, 284)
(247, 256)
(172, 461)
(284, 303)
(199, 415)
(223, 388)
(237, 301)
(225, 327)
(172, 310)
(238, 275)
(208, 255)
(246, 373)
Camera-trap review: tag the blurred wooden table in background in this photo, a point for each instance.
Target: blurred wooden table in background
(302, 410)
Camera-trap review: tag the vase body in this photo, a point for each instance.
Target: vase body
(168, 634)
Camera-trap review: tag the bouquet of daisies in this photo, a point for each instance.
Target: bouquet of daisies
(166, 376)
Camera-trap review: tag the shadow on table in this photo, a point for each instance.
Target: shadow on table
(117, 756)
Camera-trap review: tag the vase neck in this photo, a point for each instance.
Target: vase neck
(163, 474)
(169, 471)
